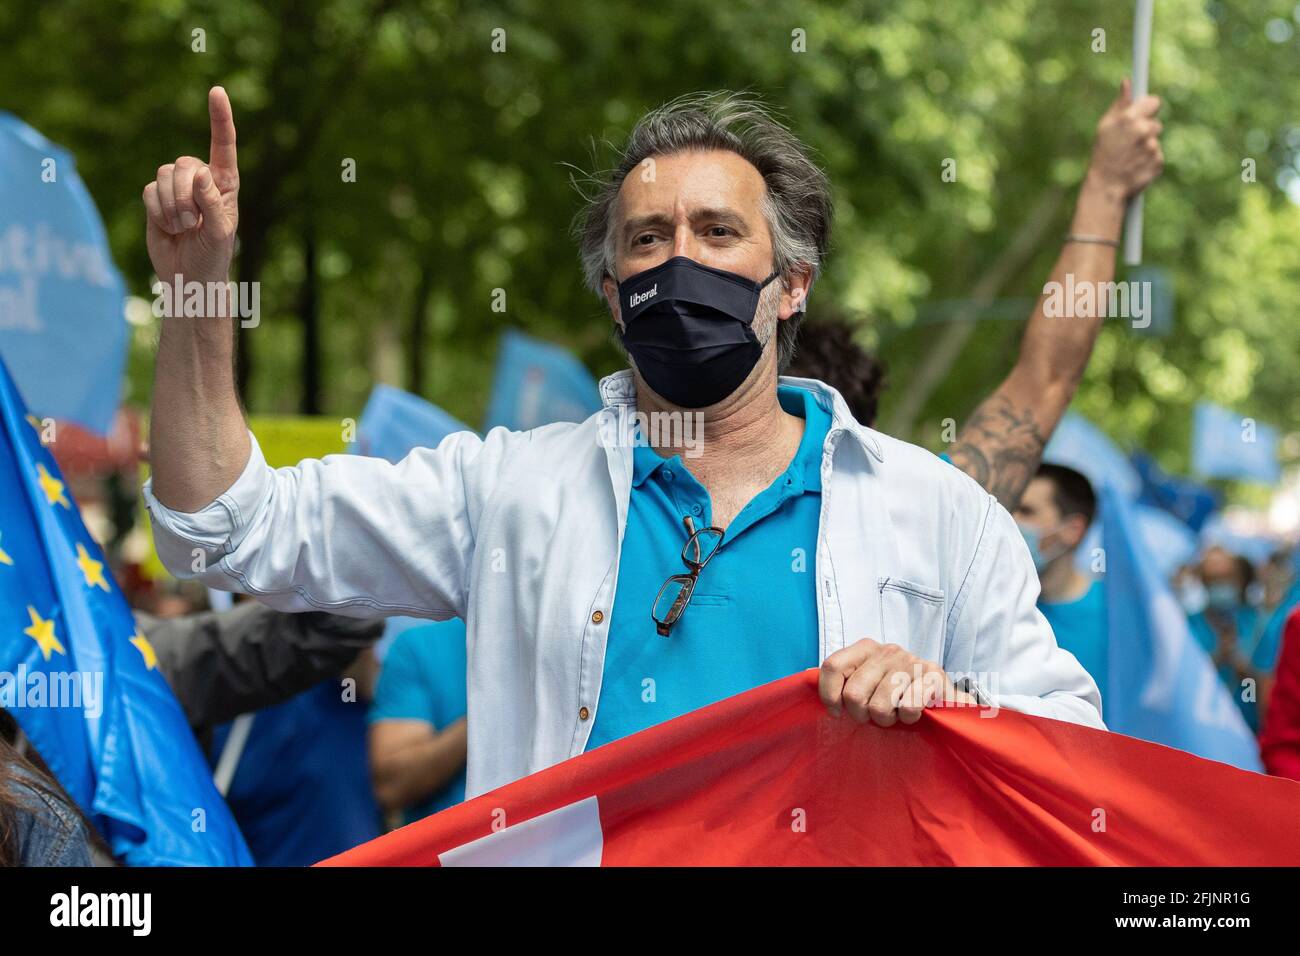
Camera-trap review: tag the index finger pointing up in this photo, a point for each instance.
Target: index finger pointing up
(221, 154)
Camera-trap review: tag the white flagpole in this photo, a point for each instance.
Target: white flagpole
(228, 762)
(1141, 68)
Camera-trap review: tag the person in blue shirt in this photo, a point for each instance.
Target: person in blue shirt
(1054, 514)
(417, 722)
(1277, 610)
(1231, 630)
(652, 677)
(1277, 581)
(301, 789)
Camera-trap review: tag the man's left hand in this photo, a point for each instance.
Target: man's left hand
(884, 683)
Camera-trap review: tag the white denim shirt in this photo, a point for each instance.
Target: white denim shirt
(519, 533)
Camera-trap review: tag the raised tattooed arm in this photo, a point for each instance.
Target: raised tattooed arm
(1000, 446)
(1002, 443)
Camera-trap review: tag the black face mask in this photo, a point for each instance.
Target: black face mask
(689, 328)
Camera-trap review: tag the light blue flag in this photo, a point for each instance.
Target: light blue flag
(83, 682)
(62, 329)
(1079, 444)
(1169, 543)
(1162, 685)
(393, 422)
(1227, 445)
(537, 383)
(1158, 293)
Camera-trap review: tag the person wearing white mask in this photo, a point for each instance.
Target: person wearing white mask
(1054, 515)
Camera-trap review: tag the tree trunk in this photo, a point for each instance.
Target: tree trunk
(252, 255)
(309, 312)
(419, 331)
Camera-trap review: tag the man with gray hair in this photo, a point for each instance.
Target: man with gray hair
(611, 577)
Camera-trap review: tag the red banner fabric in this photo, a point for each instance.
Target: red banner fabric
(769, 778)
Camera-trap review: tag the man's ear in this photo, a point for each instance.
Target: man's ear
(610, 288)
(1078, 529)
(795, 296)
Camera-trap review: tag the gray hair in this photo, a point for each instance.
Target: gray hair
(797, 204)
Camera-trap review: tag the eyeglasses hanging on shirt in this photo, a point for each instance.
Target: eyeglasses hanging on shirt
(676, 592)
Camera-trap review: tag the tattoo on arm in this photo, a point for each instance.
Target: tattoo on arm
(1000, 447)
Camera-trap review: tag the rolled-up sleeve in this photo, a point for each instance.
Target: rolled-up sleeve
(348, 534)
(1017, 662)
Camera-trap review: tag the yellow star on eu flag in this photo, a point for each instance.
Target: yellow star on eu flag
(146, 650)
(4, 557)
(42, 632)
(91, 570)
(52, 487)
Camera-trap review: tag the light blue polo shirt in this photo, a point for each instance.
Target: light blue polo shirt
(1266, 651)
(1082, 628)
(753, 618)
(423, 678)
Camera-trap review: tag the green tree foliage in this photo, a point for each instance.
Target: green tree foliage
(464, 155)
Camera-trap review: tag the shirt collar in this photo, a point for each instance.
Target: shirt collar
(806, 466)
(646, 461)
(619, 389)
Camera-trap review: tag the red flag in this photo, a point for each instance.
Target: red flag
(1280, 739)
(769, 778)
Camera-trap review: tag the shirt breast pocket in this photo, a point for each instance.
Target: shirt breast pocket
(912, 616)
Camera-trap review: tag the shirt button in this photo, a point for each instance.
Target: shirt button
(697, 510)
(597, 617)
(584, 713)
(668, 474)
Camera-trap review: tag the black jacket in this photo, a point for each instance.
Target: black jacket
(221, 664)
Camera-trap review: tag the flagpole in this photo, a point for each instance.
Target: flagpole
(1141, 68)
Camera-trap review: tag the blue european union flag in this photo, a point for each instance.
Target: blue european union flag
(62, 327)
(1228, 445)
(1162, 685)
(83, 682)
(537, 383)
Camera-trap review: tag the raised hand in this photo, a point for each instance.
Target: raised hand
(1126, 153)
(193, 206)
